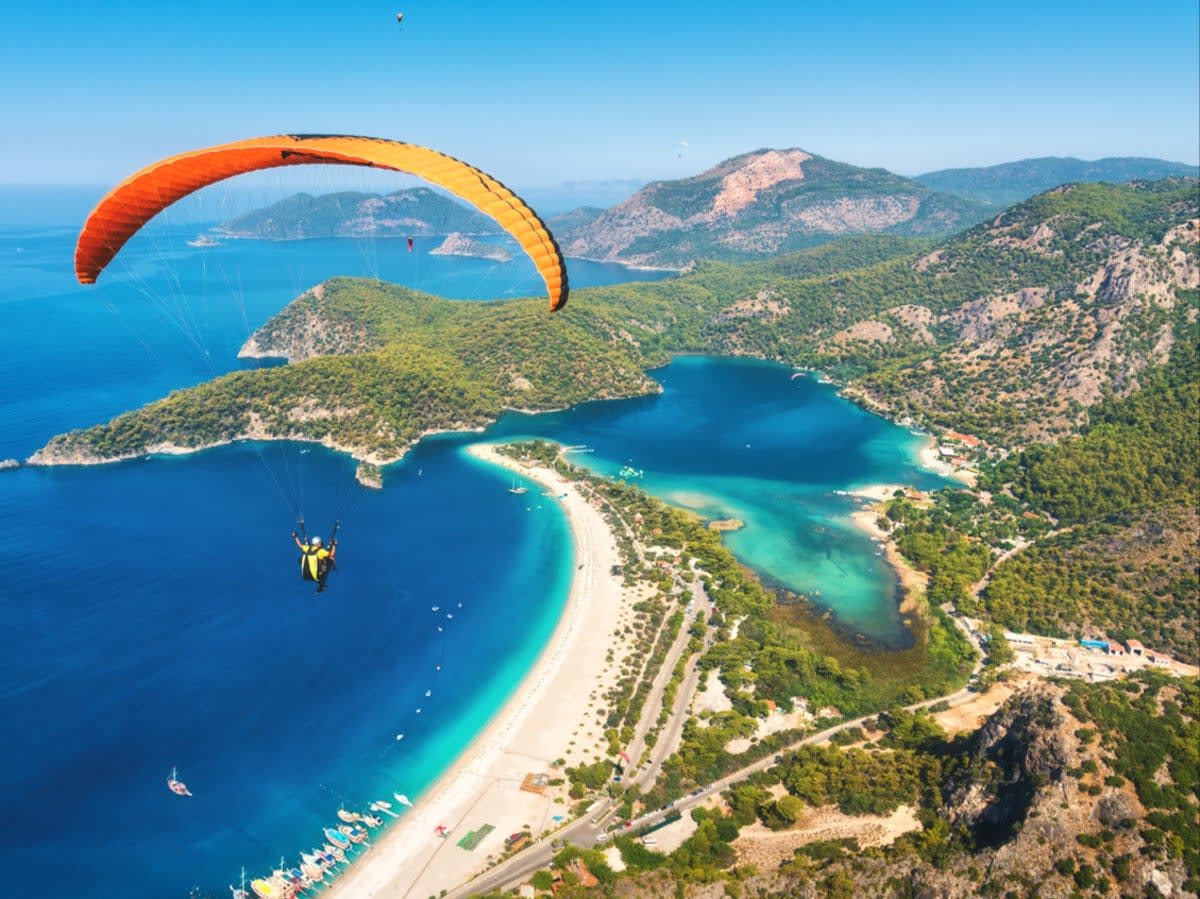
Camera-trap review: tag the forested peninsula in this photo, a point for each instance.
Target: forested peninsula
(1060, 337)
(1012, 331)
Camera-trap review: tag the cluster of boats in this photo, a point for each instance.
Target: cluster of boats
(318, 864)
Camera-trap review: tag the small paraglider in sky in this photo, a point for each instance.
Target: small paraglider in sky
(680, 147)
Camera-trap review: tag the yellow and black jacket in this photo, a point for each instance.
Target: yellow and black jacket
(314, 563)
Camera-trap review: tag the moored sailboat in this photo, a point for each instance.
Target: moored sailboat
(176, 786)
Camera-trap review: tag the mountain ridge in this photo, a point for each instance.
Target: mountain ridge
(760, 204)
(417, 212)
(1012, 330)
(1011, 182)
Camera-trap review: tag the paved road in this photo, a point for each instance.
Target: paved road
(669, 736)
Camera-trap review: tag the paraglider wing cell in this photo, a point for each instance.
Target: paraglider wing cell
(143, 195)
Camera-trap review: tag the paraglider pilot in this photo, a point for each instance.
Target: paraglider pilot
(315, 560)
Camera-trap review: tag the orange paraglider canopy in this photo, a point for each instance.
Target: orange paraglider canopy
(143, 195)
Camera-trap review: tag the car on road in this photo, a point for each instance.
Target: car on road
(604, 838)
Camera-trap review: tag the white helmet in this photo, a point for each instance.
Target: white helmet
(316, 541)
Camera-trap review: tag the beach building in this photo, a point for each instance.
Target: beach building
(1135, 647)
(535, 782)
(580, 870)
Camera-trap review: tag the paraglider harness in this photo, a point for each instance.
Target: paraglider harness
(325, 564)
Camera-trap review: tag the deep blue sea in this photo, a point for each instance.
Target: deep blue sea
(154, 617)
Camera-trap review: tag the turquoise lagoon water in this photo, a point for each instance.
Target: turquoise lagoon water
(152, 613)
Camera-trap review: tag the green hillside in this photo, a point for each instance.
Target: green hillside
(417, 212)
(1012, 182)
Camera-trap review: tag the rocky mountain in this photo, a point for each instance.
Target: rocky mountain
(1012, 330)
(418, 212)
(762, 204)
(1012, 182)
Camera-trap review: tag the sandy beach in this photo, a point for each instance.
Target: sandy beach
(932, 459)
(547, 718)
(912, 581)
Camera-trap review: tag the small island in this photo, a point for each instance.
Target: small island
(369, 475)
(457, 244)
(9, 463)
(726, 524)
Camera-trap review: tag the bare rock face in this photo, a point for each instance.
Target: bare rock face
(1061, 348)
(760, 204)
(1027, 742)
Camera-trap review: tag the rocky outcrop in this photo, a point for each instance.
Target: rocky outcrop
(1028, 744)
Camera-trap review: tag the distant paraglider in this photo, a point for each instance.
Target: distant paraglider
(680, 147)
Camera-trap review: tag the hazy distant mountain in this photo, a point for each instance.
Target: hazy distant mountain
(418, 212)
(762, 204)
(576, 218)
(1003, 185)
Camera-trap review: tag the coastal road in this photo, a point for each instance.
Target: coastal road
(583, 833)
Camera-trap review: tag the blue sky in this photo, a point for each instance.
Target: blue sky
(544, 93)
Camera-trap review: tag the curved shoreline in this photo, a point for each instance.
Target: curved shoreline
(529, 731)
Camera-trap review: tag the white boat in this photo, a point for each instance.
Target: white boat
(176, 786)
(402, 799)
(240, 892)
(517, 490)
